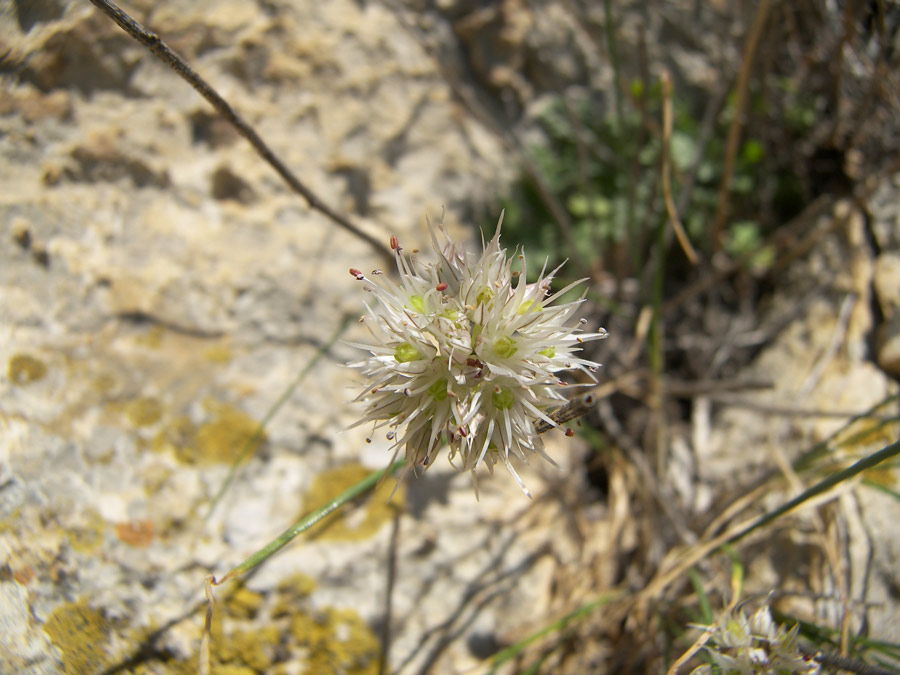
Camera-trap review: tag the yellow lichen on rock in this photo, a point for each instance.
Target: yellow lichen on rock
(143, 411)
(372, 510)
(339, 641)
(24, 369)
(243, 603)
(291, 592)
(221, 438)
(87, 537)
(81, 634)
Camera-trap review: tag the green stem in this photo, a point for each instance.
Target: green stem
(254, 440)
(822, 486)
(309, 520)
(514, 650)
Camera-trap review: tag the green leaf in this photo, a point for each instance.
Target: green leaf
(682, 150)
(752, 152)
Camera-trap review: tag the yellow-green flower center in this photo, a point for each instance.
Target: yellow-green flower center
(550, 352)
(505, 347)
(503, 399)
(485, 295)
(405, 352)
(417, 303)
(526, 306)
(438, 390)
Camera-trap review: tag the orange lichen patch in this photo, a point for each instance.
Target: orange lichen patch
(24, 575)
(137, 533)
(350, 524)
(23, 369)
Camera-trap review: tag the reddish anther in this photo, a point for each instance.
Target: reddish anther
(570, 432)
(395, 244)
(356, 273)
(441, 286)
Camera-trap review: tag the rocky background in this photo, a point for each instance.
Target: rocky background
(161, 288)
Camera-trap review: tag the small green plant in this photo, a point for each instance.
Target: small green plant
(604, 170)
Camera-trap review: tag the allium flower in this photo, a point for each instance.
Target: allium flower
(466, 352)
(756, 645)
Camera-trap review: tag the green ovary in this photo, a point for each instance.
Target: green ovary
(550, 352)
(438, 390)
(485, 295)
(527, 306)
(505, 347)
(417, 303)
(503, 399)
(405, 352)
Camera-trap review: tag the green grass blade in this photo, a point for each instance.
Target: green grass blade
(706, 614)
(822, 486)
(824, 445)
(882, 488)
(512, 651)
(309, 520)
(254, 439)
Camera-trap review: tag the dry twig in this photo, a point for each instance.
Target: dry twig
(154, 43)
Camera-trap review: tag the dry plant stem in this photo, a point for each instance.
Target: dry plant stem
(666, 170)
(203, 664)
(827, 543)
(839, 663)
(784, 410)
(390, 582)
(812, 211)
(819, 493)
(159, 49)
(573, 409)
(734, 131)
(680, 565)
(737, 579)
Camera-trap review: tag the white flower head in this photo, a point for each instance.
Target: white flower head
(757, 645)
(465, 352)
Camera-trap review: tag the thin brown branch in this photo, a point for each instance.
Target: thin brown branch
(734, 131)
(154, 44)
(666, 170)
